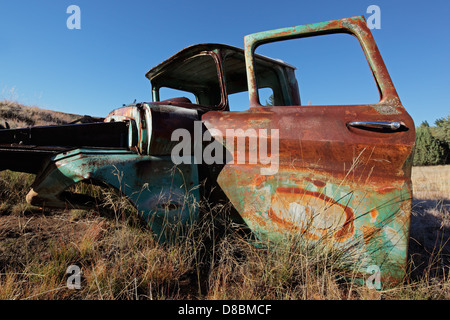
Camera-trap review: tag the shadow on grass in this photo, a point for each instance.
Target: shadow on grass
(429, 245)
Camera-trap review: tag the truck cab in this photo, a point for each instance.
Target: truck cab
(209, 74)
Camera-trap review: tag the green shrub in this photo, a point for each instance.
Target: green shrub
(429, 149)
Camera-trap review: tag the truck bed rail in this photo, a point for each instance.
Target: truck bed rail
(26, 149)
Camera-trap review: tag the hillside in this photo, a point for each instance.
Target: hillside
(18, 116)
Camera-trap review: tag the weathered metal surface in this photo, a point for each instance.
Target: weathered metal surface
(165, 196)
(27, 149)
(338, 175)
(346, 186)
(106, 135)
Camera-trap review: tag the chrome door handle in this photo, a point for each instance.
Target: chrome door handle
(394, 125)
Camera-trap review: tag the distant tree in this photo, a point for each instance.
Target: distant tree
(429, 150)
(271, 101)
(442, 133)
(442, 130)
(424, 124)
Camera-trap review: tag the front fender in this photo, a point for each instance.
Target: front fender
(162, 193)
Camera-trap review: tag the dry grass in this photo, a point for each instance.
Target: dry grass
(430, 224)
(120, 259)
(20, 116)
(432, 182)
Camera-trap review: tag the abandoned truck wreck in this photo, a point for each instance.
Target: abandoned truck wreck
(342, 172)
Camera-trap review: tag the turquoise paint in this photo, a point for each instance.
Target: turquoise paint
(387, 246)
(165, 195)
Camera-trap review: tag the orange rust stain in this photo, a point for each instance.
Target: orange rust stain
(285, 224)
(311, 236)
(385, 190)
(373, 214)
(368, 232)
(346, 230)
(319, 183)
(260, 180)
(255, 218)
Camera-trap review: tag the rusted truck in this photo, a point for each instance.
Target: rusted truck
(334, 174)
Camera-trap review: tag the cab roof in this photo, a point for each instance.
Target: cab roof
(196, 49)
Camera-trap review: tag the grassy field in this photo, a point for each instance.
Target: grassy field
(431, 183)
(120, 259)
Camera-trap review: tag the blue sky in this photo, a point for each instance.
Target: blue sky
(102, 66)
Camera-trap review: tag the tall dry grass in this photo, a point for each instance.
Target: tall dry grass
(120, 259)
(431, 182)
(430, 225)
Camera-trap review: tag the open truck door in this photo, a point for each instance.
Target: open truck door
(343, 171)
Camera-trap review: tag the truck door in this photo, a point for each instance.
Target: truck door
(339, 175)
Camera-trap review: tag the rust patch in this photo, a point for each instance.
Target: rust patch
(319, 184)
(385, 190)
(368, 232)
(373, 215)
